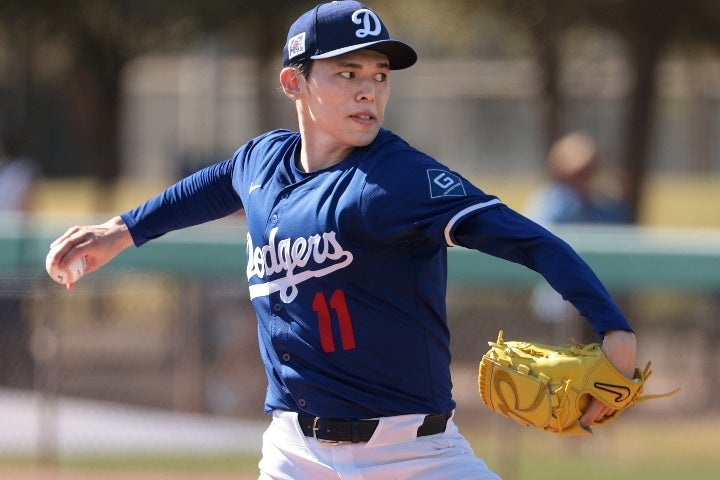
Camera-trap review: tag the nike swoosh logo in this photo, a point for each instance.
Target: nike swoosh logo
(254, 187)
(622, 392)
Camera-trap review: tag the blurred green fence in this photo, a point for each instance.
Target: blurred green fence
(169, 326)
(624, 257)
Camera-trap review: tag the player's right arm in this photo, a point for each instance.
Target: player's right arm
(204, 196)
(208, 194)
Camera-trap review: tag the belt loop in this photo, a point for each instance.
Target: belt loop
(434, 424)
(355, 431)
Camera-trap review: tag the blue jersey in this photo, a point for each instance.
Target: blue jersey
(347, 268)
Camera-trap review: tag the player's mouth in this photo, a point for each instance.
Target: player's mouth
(363, 117)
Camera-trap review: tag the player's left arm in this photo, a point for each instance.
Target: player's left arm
(504, 233)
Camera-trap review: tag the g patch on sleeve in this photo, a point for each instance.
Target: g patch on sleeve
(445, 184)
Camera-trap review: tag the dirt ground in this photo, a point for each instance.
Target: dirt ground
(643, 445)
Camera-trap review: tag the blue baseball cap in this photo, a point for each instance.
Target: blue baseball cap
(336, 28)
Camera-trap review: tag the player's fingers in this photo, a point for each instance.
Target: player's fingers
(77, 242)
(61, 255)
(57, 254)
(595, 412)
(68, 233)
(64, 254)
(60, 248)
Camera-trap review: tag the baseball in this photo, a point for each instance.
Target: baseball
(70, 274)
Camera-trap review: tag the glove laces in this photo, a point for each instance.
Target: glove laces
(563, 409)
(641, 377)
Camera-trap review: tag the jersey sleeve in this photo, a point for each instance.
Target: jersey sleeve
(506, 234)
(204, 196)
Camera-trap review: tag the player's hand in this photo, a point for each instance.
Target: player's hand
(97, 243)
(620, 347)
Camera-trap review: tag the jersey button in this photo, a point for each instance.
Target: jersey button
(274, 219)
(302, 402)
(286, 357)
(277, 307)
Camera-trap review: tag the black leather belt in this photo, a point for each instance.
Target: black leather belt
(356, 431)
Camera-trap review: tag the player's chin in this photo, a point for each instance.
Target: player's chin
(364, 136)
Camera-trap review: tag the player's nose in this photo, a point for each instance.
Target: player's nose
(366, 91)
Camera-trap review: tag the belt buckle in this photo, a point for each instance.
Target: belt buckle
(315, 430)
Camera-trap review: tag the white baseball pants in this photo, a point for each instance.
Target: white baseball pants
(393, 453)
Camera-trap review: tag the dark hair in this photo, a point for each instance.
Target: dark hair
(304, 67)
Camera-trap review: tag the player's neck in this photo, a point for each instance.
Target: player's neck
(316, 155)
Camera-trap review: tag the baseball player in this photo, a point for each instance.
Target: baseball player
(348, 230)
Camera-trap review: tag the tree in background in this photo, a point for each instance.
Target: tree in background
(648, 28)
(78, 48)
(74, 51)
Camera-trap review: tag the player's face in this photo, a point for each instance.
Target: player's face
(346, 97)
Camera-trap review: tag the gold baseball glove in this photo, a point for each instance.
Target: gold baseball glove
(549, 387)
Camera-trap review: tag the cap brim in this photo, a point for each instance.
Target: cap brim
(400, 54)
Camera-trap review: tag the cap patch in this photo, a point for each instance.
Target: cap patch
(445, 184)
(296, 45)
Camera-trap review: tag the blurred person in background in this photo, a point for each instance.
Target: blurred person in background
(578, 193)
(18, 176)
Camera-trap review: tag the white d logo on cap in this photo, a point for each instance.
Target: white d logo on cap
(367, 18)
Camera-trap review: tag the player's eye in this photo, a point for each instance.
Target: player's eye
(381, 77)
(348, 75)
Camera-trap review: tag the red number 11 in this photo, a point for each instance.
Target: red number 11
(339, 306)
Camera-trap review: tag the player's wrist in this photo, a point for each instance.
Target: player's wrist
(620, 346)
(119, 230)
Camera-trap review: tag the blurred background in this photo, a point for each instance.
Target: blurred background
(598, 118)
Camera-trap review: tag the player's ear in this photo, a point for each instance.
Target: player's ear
(290, 79)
